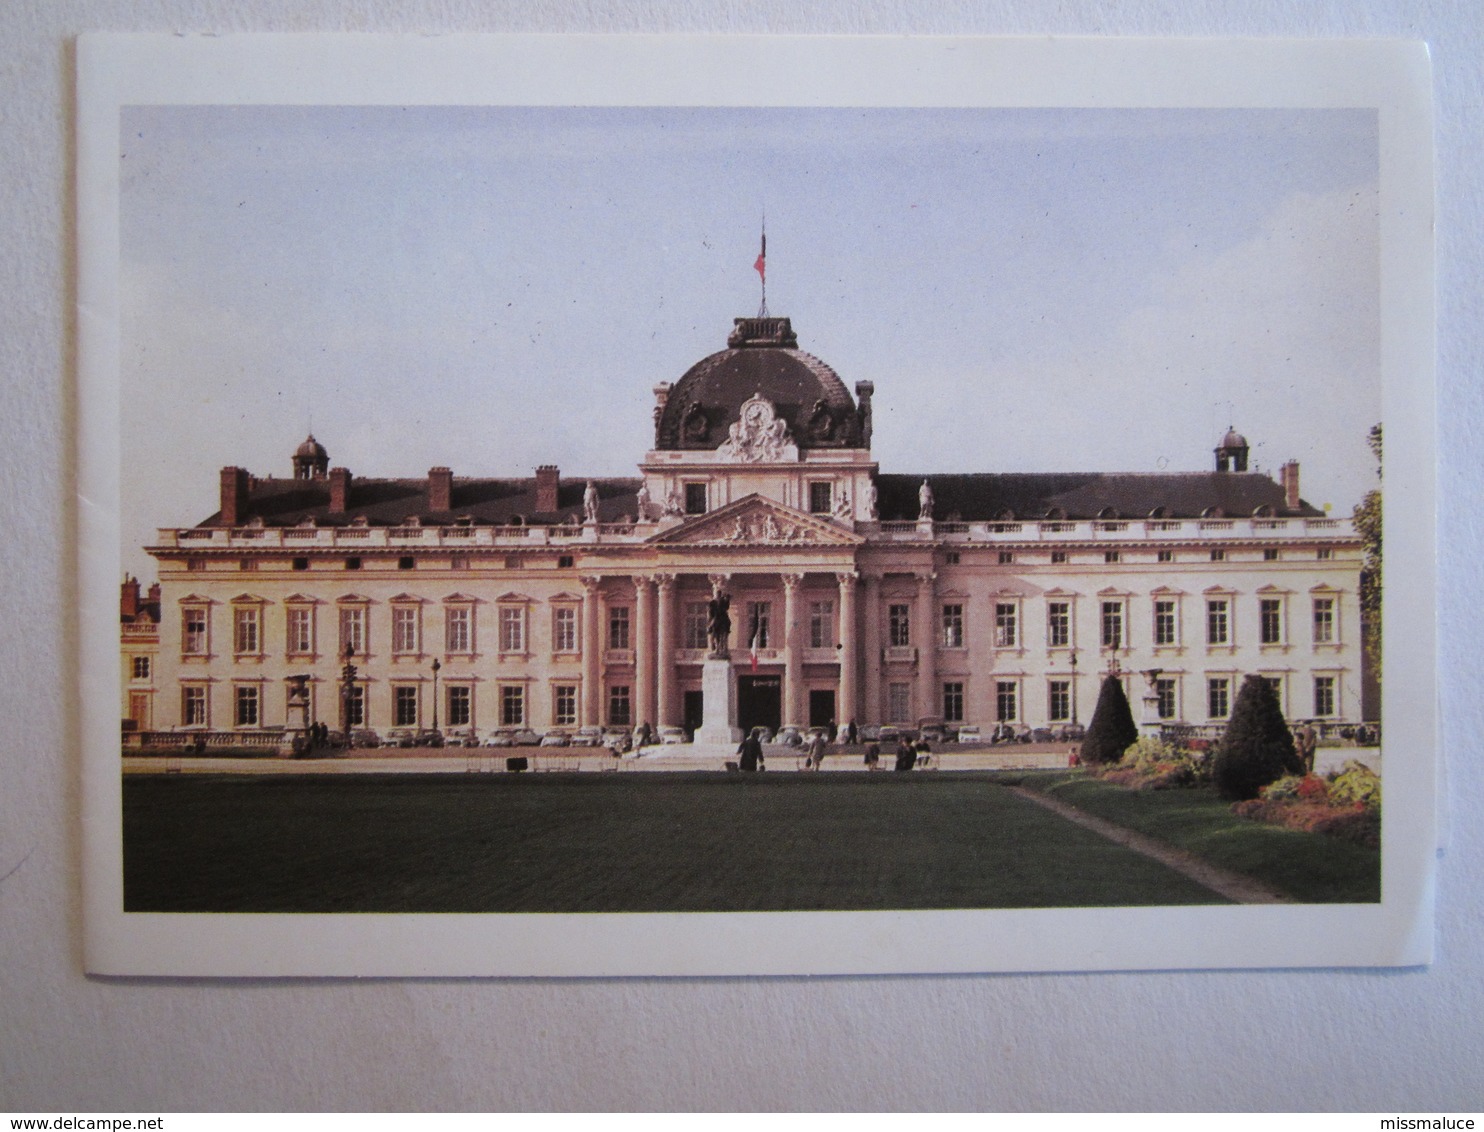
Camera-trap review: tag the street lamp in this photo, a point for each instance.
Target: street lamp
(436, 667)
(1073, 655)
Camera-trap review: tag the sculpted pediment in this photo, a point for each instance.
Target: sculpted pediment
(755, 521)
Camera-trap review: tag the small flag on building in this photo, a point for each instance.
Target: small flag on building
(761, 266)
(757, 631)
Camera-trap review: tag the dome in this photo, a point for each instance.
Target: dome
(311, 461)
(762, 359)
(311, 449)
(1233, 439)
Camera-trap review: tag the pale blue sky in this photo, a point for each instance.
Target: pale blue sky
(496, 288)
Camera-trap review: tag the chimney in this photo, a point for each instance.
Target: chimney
(339, 490)
(548, 479)
(1290, 478)
(153, 597)
(440, 489)
(129, 599)
(234, 497)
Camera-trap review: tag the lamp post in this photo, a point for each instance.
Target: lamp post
(436, 667)
(1073, 655)
(347, 685)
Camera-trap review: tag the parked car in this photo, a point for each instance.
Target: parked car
(870, 733)
(500, 739)
(525, 737)
(1042, 735)
(556, 739)
(361, 737)
(587, 737)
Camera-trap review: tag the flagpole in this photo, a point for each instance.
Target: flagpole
(761, 267)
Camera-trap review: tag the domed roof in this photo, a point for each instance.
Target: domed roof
(762, 360)
(311, 449)
(1233, 439)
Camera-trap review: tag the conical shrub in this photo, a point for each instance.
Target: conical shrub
(1112, 728)
(1257, 748)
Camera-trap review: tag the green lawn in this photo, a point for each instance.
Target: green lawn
(615, 842)
(1311, 867)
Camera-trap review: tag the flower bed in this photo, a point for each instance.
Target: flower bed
(1153, 764)
(1346, 805)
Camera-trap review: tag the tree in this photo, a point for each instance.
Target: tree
(1257, 748)
(1367, 516)
(1112, 728)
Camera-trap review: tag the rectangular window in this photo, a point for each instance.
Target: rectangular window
(1218, 556)
(821, 624)
(301, 631)
(950, 558)
(1218, 623)
(193, 705)
(618, 627)
(512, 629)
(953, 626)
(356, 705)
(1058, 557)
(759, 614)
(899, 623)
(1324, 620)
(1218, 697)
(458, 621)
(1164, 622)
(820, 501)
(512, 705)
(353, 630)
(1006, 701)
(461, 562)
(1271, 613)
(460, 705)
(1325, 553)
(564, 705)
(1112, 624)
(1058, 624)
(1111, 556)
(696, 617)
(1270, 554)
(247, 705)
(1059, 701)
(1164, 691)
(140, 668)
(899, 702)
(953, 702)
(404, 705)
(404, 629)
(1164, 556)
(695, 499)
(1324, 695)
(245, 630)
(193, 634)
(564, 629)
(1006, 625)
(619, 714)
(1007, 557)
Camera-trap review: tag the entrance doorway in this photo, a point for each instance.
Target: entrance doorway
(693, 711)
(759, 702)
(821, 707)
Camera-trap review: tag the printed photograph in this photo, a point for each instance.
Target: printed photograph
(536, 509)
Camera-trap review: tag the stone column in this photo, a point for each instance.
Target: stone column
(664, 650)
(928, 697)
(793, 661)
(847, 709)
(870, 603)
(643, 651)
(592, 657)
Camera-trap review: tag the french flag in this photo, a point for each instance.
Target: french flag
(761, 266)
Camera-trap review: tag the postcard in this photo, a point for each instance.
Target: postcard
(596, 506)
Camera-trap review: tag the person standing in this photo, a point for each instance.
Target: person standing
(816, 750)
(873, 755)
(906, 755)
(751, 752)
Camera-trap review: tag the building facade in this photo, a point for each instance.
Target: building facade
(554, 602)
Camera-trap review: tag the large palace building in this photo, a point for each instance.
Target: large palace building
(555, 602)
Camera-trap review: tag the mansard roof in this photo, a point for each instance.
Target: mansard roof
(1087, 495)
(392, 502)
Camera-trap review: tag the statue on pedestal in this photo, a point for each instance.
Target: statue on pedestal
(719, 624)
